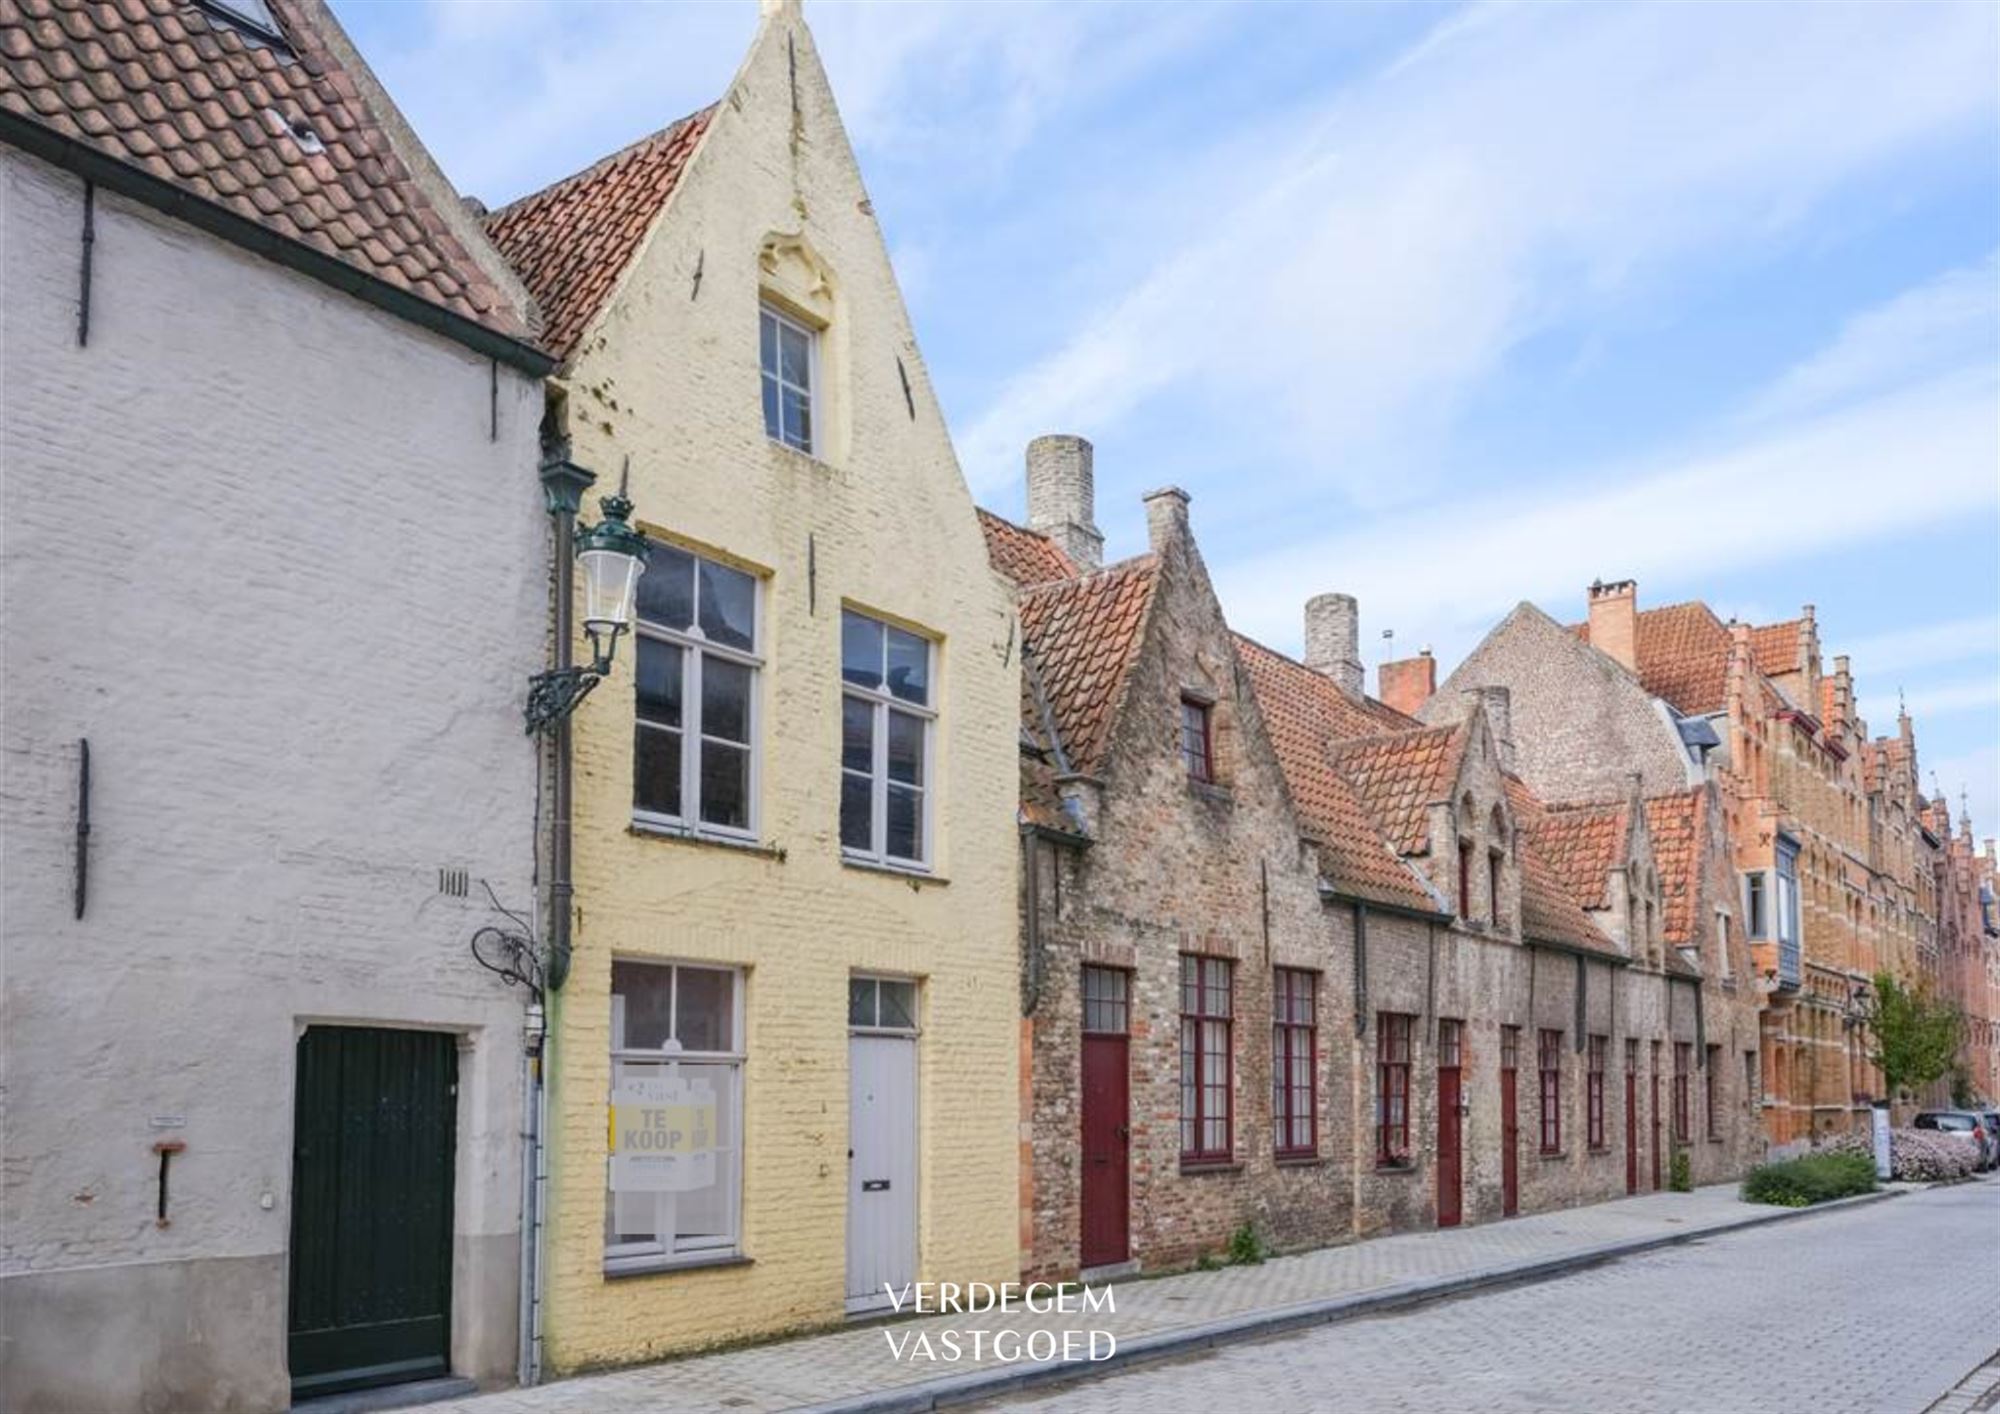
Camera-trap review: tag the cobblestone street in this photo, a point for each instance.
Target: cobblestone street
(1887, 1307)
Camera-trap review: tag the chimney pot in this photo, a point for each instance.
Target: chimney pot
(1614, 620)
(1062, 497)
(1333, 640)
(1408, 683)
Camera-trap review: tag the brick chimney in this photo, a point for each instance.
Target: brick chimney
(1614, 620)
(1333, 640)
(1166, 517)
(1407, 683)
(1062, 496)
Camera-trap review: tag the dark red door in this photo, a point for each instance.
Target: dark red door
(1107, 1120)
(1510, 1122)
(1451, 1171)
(1631, 1127)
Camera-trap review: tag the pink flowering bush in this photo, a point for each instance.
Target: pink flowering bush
(1915, 1155)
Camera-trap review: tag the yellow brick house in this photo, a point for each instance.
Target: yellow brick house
(783, 1067)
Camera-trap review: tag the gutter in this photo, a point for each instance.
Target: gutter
(173, 200)
(1329, 892)
(1588, 954)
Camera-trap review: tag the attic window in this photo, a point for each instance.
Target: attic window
(252, 18)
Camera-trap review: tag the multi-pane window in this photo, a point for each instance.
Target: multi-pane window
(1197, 742)
(1712, 1089)
(1510, 1048)
(1294, 1049)
(886, 723)
(1106, 1008)
(1683, 1064)
(788, 353)
(1205, 1059)
(881, 1004)
(675, 1172)
(1593, 1110)
(694, 752)
(1392, 1088)
(1548, 1057)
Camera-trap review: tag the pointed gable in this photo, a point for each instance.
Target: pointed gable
(571, 241)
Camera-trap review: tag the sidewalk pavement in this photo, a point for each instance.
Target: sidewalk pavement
(854, 1369)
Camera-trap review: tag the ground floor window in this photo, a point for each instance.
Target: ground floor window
(1206, 1067)
(1549, 1058)
(1683, 1063)
(1294, 1054)
(1593, 1118)
(675, 1174)
(1712, 1089)
(1392, 1088)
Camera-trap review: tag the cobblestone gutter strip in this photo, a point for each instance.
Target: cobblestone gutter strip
(1276, 1320)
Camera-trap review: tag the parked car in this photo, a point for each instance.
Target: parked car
(1965, 1126)
(1992, 1118)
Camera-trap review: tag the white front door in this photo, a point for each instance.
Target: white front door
(881, 1168)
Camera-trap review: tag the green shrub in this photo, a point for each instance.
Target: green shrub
(1680, 1172)
(1812, 1178)
(1245, 1250)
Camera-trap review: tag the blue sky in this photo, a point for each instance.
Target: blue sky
(1444, 306)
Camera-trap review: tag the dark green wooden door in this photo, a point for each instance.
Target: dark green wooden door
(372, 1161)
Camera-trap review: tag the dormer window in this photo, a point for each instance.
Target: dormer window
(788, 356)
(1198, 740)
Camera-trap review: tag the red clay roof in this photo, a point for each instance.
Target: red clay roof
(1305, 714)
(1024, 556)
(1583, 844)
(1548, 912)
(570, 242)
(1400, 776)
(1683, 652)
(1083, 635)
(1675, 824)
(1776, 646)
(284, 140)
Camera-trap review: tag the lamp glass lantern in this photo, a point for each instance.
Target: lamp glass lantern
(610, 557)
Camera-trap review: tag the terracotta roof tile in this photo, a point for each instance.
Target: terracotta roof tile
(1548, 912)
(1582, 845)
(1306, 714)
(1776, 646)
(1024, 556)
(1084, 636)
(1400, 776)
(1675, 824)
(1683, 652)
(195, 114)
(570, 242)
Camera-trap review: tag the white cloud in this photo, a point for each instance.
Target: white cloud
(1949, 322)
(1525, 167)
(1924, 645)
(1977, 774)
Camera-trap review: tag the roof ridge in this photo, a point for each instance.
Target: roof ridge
(606, 160)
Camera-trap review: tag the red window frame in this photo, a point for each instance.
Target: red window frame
(1510, 1048)
(1683, 1063)
(1198, 740)
(1710, 1088)
(1294, 1062)
(1548, 1060)
(1392, 1087)
(1207, 1134)
(1593, 1107)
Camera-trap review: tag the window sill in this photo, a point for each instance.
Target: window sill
(1200, 1166)
(1395, 1166)
(1552, 1155)
(807, 459)
(652, 1267)
(1599, 1149)
(1299, 1161)
(1211, 791)
(912, 877)
(647, 829)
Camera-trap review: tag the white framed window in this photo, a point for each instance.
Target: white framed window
(695, 757)
(887, 723)
(882, 1004)
(674, 1179)
(788, 357)
(1722, 966)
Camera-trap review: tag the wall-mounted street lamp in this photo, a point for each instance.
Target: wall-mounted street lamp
(609, 556)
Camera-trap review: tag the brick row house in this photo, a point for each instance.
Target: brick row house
(1298, 964)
